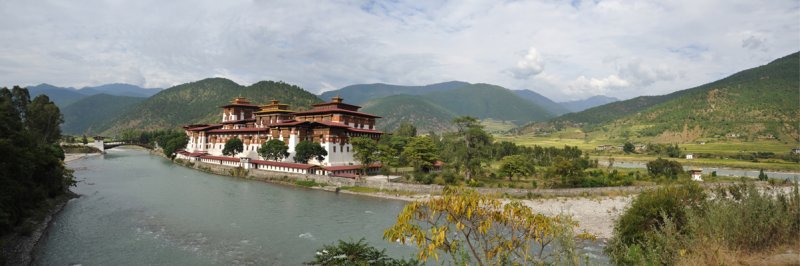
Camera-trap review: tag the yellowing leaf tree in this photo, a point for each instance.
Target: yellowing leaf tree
(470, 226)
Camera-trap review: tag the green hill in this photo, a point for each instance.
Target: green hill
(198, 102)
(580, 105)
(414, 109)
(489, 101)
(549, 105)
(83, 116)
(62, 97)
(762, 102)
(361, 93)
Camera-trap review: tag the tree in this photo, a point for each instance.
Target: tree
(515, 166)
(471, 147)
(406, 130)
(307, 150)
(32, 169)
(355, 253)
(84, 140)
(174, 143)
(762, 176)
(469, 225)
(274, 150)
(420, 153)
(366, 151)
(232, 147)
(662, 167)
(628, 147)
(673, 151)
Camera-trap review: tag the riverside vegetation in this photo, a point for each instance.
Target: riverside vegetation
(33, 177)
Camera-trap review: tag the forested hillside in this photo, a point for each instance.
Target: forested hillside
(489, 101)
(762, 102)
(361, 93)
(550, 106)
(414, 109)
(198, 102)
(85, 115)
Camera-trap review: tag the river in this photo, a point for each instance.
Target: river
(137, 209)
(708, 170)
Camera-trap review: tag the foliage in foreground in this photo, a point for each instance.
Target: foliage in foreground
(736, 220)
(356, 253)
(467, 226)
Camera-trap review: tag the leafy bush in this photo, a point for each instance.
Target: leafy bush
(356, 253)
(737, 219)
(667, 168)
(647, 213)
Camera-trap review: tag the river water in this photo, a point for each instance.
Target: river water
(140, 209)
(720, 171)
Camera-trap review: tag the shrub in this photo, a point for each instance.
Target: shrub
(424, 178)
(647, 214)
(355, 253)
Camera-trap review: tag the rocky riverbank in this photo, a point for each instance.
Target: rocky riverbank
(17, 248)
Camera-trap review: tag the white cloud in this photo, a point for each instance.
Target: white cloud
(594, 86)
(620, 48)
(530, 65)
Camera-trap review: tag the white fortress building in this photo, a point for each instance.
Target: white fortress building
(330, 124)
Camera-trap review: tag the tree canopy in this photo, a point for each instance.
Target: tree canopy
(307, 150)
(233, 146)
(274, 150)
(31, 161)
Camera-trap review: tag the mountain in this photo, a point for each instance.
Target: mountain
(489, 101)
(580, 105)
(414, 109)
(549, 105)
(120, 89)
(760, 102)
(62, 97)
(83, 116)
(199, 101)
(361, 93)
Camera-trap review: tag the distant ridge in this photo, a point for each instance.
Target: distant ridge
(361, 93)
(549, 105)
(580, 105)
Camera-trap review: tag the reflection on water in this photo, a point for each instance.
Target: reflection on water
(140, 209)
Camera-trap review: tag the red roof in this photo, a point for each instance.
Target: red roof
(247, 129)
(438, 163)
(242, 121)
(287, 123)
(346, 175)
(349, 167)
(203, 127)
(330, 124)
(334, 110)
(365, 130)
(221, 158)
(282, 164)
(245, 105)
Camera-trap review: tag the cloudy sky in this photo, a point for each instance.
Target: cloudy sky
(562, 49)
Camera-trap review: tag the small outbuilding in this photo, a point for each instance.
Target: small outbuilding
(689, 156)
(697, 174)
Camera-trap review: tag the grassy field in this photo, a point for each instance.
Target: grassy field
(713, 147)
